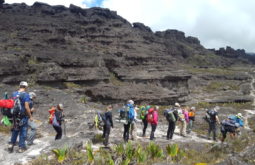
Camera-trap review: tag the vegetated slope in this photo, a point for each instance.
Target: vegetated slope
(99, 52)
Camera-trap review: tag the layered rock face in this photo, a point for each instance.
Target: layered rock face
(101, 53)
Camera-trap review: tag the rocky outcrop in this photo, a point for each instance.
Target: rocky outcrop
(96, 50)
(230, 52)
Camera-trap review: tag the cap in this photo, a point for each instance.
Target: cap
(177, 105)
(32, 95)
(239, 115)
(130, 102)
(192, 108)
(23, 83)
(60, 106)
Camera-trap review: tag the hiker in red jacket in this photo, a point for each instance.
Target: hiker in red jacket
(152, 118)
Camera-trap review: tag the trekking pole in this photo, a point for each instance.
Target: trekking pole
(65, 128)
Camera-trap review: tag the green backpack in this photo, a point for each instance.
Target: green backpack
(143, 112)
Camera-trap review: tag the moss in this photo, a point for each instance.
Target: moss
(115, 81)
(216, 85)
(71, 85)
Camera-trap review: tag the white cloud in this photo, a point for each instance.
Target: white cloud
(216, 23)
(50, 2)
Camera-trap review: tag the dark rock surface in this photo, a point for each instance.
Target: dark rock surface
(101, 53)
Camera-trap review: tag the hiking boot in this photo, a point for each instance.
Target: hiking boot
(21, 150)
(10, 148)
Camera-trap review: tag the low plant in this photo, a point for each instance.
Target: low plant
(89, 153)
(154, 151)
(61, 154)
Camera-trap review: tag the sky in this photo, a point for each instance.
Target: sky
(216, 23)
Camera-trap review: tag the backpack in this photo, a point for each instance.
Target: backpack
(143, 113)
(191, 114)
(100, 120)
(12, 107)
(168, 113)
(212, 115)
(181, 115)
(52, 114)
(150, 115)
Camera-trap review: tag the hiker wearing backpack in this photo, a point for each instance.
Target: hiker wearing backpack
(31, 124)
(183, 120)
(191, 119)
(108, 124)
(171, 116)
(152, 118)
(57, 120)
(212, 120)
(130, 114)
(143, 116)
(20, 118)
(231, 125)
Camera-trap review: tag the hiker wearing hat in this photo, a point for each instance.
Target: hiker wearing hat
(183, 120)
(212, 119)
(130, 118)
(231, 125)
(144, 119)
(21, 117)
(108, 124)
(57, 121)
(191, 119)
(172, 117)
(31, 124)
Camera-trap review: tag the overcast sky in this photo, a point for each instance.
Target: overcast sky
(217, 23)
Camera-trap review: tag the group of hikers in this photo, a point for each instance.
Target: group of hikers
(18, 111)
(19, 108)
(130, 115)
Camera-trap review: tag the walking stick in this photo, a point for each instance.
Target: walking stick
(64, 128)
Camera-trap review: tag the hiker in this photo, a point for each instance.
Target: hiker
(31, 124)
(152, 118)
(171, 116)
(183, 120)
(143, 116)
(107, 125)
(133, 131)
(191, 119)
(231, 125)
(212, 119)
(20, 121)
(57, 121)
(129, 110)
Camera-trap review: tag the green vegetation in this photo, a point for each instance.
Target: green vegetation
(121, 154)
(203, 105)
(115, 81)
(84, 99)
(216, 85)
(71, 85)
(5, 129)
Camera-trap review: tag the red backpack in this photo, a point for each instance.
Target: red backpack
(150, 115)
(52, 114)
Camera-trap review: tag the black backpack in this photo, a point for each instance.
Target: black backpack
(212, 115)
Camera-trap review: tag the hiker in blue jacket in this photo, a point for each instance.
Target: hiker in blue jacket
(130, 118)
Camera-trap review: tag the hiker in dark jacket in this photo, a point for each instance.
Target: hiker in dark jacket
(212, 119)
(57, 121)
(172, 123)
(145, 122)
(107, 125)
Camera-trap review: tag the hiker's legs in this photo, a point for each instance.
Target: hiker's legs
(209, 130)
(32, 132)
(224, 135)
(59, 132)
(214, 131)
(184, 128)
(145, 124)
(104, 131)
(170, 131)
(107, 134)
(126, 132)
(181, 127)
(133, 131)
(153, 129)
(14, 136)
(190, 126)
(23, 136)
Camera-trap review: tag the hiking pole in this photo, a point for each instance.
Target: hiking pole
(65, 128)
